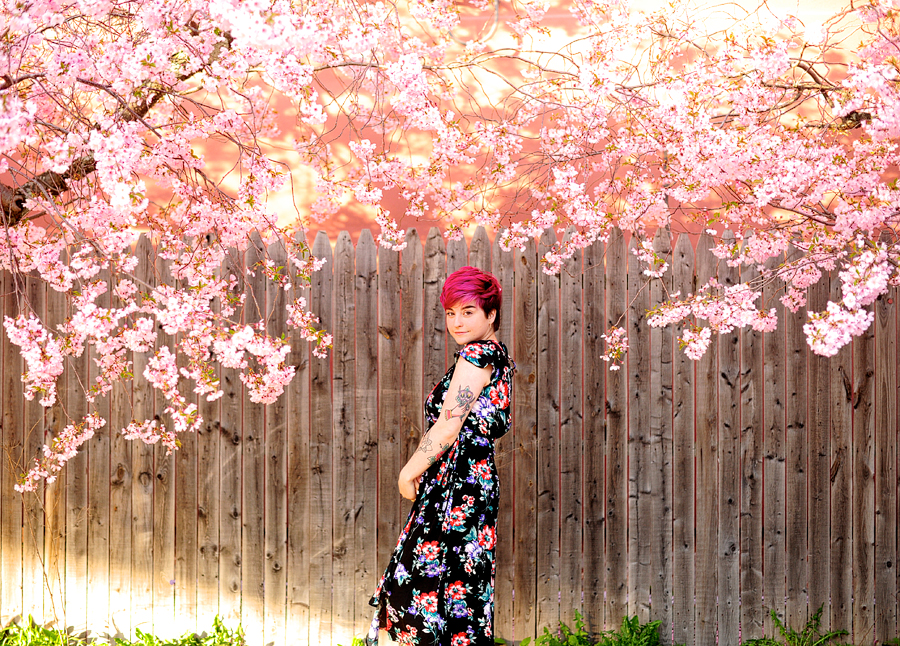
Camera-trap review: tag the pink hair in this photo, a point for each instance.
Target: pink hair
(471, 285)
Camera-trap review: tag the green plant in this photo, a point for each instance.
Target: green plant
(221, 635)
(632, 633)
(811, 634)
(564, 636)
(357, 642)
(31, 634)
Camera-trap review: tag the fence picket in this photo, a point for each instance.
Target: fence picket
(819, 465)
(76, 478)
(886, 424)
(641, 524)
(298, 481)
(660, 448)
(321, 537)
(275, 457)
(796, 431)
(142, 466)
(368, 568)
(706, 453)
(12, 424)
(571, 450)
(548, 438)
(774, 457)
(33, 584)
(343, 379)
(209, 507)
(98, 483)
(231, 475)
(389, 374)
(412, 416)
(729, 385)
(504, 270)
(594, 420)
(480, 250)
(862, 410)
(616, 439)
(841, 477)
(186, 525)
(457, 257)
(434, 359)
(683, 464)
(751, 442)
(525, 458)
(165, 618)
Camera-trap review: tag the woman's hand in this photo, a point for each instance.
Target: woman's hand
(409, 487)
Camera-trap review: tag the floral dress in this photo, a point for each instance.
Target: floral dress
(439, 585)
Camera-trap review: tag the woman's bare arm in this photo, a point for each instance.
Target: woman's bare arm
(467, 383)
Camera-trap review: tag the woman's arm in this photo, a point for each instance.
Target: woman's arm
(467, 383)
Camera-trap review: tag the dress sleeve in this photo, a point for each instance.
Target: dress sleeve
(484, 354)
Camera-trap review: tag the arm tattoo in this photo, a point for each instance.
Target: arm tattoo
(434, 458)
(425, 447)
(464, 399)
(425, 444)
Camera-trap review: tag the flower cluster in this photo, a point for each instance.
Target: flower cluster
(63, 448)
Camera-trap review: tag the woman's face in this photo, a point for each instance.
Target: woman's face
(466, 322)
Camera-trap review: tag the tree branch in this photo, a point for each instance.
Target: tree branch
(50, 183)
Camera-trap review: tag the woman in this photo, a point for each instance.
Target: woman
(439, 585)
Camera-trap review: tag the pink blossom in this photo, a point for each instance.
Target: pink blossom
(827, 332)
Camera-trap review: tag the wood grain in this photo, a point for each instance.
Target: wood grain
(504, 270)
(389, 375)
(548, 444)
(862, 409)
(142, 467)
(231, 476)
(321, 454)
(434, 347)
(707, 458)
(887, 425)
(525, 467)
(164, 613)
(616, 442)
(412, 415)
(774, 454)
(298, 481)
(683, 484)
(343, 380)
(661, 412)
(34, 518)
(819, 464)
(752, 442)
(368, 568)
(276, 465)
(571, 448)
(642, 526)
(729, 385)
(841, 476)
(12, 423)
(796, 429)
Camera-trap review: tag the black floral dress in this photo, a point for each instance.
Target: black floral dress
(439, 585)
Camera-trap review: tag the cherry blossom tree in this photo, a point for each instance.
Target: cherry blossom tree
(776, 136)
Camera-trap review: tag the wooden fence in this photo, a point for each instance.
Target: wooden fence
(698, 494)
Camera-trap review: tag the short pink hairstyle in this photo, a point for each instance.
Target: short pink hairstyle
(471, 285)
